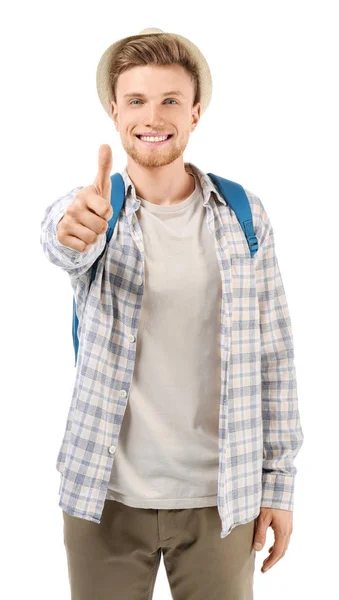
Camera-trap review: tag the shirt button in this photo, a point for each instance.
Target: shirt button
(111, 449)
(131, 338)
(123, 393)
(139, 280)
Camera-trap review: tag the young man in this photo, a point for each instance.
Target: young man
(184, 413)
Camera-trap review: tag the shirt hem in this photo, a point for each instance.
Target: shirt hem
(165, 503)
(226, 532)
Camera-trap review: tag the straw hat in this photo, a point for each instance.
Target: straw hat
(102, 73)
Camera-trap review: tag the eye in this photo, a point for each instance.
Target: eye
(170, 99)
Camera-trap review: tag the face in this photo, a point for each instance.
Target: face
(144, 106)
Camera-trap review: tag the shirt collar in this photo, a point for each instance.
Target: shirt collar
(207, 186)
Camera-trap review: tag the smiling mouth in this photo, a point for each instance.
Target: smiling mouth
(154, 143)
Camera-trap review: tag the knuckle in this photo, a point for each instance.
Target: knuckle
(102, 208)
(110, 212)
(93, 237)
(81, 194)
(73, 208)
(61, 232)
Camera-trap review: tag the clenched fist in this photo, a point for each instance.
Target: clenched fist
(88, 215)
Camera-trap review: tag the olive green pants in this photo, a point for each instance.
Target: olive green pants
(118, 558)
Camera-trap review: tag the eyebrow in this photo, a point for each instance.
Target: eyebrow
(172, 93)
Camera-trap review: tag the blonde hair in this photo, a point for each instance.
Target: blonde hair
(153, 49)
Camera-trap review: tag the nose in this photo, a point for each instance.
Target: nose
(154, 118)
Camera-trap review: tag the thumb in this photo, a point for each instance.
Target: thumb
(260, 535)
(102, 181)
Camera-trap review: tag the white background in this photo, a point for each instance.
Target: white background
(272, 126)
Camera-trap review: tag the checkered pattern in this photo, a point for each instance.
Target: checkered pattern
(259, 425)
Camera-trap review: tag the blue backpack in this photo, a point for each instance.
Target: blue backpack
(233, 193)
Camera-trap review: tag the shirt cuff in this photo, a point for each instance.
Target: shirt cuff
(277, 491)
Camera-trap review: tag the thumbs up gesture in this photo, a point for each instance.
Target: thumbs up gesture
(88, 215)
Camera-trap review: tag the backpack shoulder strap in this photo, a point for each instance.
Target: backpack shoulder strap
(236, 197)
(117, 201)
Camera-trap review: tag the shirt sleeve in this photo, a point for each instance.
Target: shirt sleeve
(282, 432)
(72, 261)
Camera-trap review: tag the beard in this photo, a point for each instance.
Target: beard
(158, 156)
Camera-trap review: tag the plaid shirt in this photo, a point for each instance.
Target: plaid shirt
(259, 425)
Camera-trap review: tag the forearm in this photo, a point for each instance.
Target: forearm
(282, 432)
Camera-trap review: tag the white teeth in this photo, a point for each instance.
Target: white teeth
(154, 139)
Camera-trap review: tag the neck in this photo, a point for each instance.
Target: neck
(166, 185)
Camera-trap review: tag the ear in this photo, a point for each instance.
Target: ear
(114, 114)
(196, 113)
